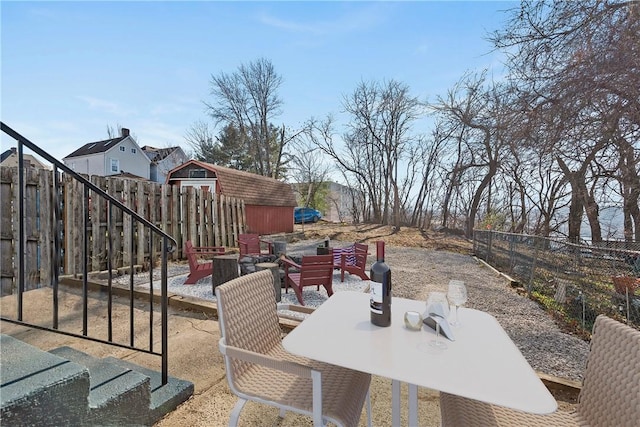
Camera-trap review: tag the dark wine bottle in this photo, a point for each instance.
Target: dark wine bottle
(380, 293)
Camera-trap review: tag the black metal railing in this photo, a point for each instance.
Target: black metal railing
(138, 224)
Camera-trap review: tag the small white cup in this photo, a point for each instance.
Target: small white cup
(413, 320)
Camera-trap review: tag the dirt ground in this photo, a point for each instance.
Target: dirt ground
(406, 236)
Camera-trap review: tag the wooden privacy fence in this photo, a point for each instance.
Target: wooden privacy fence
(184, 213)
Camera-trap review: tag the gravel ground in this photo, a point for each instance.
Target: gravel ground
(418, 271)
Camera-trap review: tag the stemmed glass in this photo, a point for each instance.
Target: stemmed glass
(457, 296)
(438, 310)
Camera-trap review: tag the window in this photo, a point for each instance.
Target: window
(122, 148)
(115, 165)
(197, 173)
(133, 151)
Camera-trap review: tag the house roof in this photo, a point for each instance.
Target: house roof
(99, 146)
(252, 188)
(157, 154)
(96, 147)
(10, 159)
(129, 175)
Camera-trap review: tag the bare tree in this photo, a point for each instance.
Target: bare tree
(248, 100)
(477, 118)
(116, 132)
(309, 172)
(200, 136)
(382, 115)
(576, 64)
(355, 163)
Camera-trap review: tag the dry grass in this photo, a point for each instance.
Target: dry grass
(406, 236)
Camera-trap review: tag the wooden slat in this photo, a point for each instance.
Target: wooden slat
(176, 232)
(7, 229)
(45, 232)
(126, 223)
(141, 209)
(97, 246)
(206, 218)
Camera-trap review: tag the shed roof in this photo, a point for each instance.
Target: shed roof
(252, 188)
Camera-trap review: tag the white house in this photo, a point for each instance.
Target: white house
(120, 155)
(10, 159)
(339, 201)
(163, 160)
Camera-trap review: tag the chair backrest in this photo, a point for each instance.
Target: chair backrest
(356, 255)
(610, 392)
(248, 316)
(191, 255)
(249, 244)
(349, 251)
(361, 251)
(316, 270)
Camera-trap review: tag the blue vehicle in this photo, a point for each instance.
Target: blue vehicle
(306, 215)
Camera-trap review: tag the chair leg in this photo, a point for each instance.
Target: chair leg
(316, 385)
(329, 289)
(298, 291)
(235, 414)
(369, 407)
(283, 413)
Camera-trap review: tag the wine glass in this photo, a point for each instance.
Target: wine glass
(457, 296)
(438, 310)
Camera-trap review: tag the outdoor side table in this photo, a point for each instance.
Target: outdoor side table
(279, 247)
(225, 268)
(275, 271)
(324, 250)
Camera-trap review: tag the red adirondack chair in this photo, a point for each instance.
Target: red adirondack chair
(352, 259)
(314, 270)
(250, 244)
(199, 270)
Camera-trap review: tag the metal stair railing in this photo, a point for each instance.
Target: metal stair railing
(138, 224)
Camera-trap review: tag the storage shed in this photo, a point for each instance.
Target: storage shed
(268, 202)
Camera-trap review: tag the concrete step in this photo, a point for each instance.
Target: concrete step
(69, 387)
(164, 399)
(40, 389)
(119, 395)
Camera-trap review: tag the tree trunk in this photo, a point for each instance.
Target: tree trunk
(477, 197)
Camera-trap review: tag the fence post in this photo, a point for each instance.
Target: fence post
(533, 264)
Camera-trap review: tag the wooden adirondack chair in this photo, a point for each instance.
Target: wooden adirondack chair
(314, 270)
(199, 270)
(250, 244)
(352, 259)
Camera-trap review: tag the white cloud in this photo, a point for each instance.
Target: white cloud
(106, 106)
(360, 18)
(157, 133)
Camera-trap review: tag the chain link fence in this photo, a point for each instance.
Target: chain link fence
(575, 283)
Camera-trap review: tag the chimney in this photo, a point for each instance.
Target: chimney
(124, 132)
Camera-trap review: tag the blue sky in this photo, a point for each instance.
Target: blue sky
(69, 69)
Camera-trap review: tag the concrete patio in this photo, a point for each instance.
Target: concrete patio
(193, 356)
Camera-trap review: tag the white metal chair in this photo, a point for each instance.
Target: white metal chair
(610, 394)
(260, 369)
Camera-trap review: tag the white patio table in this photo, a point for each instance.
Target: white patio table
(482, 363)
